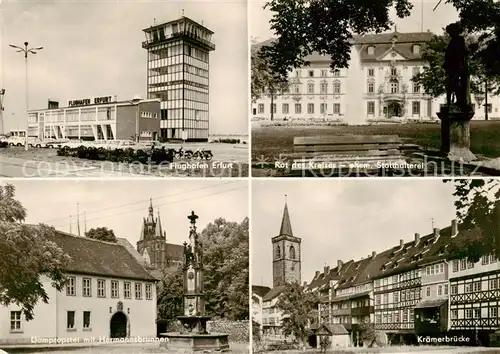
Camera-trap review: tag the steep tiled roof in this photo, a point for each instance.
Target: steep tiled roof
(174, 251)
(274, 293)
(404, 257)
(260, 290)
(94, 257)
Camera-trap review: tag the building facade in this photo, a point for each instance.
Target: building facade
(109, 294)
(153, 246)
(178, 75)
(377, 86)
(413, 289)
(97, 118)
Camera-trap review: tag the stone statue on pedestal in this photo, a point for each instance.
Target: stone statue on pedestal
(457, 70)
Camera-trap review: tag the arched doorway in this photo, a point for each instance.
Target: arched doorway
(118, 325)
(394, 109)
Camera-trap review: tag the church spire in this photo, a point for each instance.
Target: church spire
(150, 206)
(286, 226)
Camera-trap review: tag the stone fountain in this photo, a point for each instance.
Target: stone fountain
(194, 336)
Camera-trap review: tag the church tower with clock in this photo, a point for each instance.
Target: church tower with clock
(286, 254)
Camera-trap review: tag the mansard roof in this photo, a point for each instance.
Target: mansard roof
(99, 258)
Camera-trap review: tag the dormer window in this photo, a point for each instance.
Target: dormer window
(371, 50)
(416, 49)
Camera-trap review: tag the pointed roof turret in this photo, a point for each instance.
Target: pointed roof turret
(142, 231)
(286, 226)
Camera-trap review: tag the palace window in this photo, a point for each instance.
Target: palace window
(394, 71)
(311, 73)
(416, 107)
(445, 289)
(298, 108)
(114, 289)
(416, 49)
(371, 87)
(470, 264)
(395, 297)
(370, 107)
(70, 286)
(15, 320)
(493, 284)
(324, 73)
(323, 88)
(385, 299)
(138, 291)
(310, 89)
(371, 50)
(454, 289)
(126, 290)
(440, 290)
(70, 319)
(323, 108)
(371, 72)
(468, 288)
(454, 314)
(336, 108)
(377, 299)
(477, 286)
(336, 87)
(149, 292)
(101, 288)
(87, 287)
(261, 108)
(493, 258)
(86, 319)
(310, 108)
(428, 291)
(416, 87)
(394, 86)
(292, 253)
(285, 108)
(336, 73)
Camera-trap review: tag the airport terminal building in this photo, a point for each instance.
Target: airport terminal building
(97, 118)
(178, 75)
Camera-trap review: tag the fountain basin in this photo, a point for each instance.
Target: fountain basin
(195, 341)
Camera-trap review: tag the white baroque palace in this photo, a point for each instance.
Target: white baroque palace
(376, 86)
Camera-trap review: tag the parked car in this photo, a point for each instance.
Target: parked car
(16, 141)
(56, 143)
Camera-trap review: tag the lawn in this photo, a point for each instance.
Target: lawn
(269, 142)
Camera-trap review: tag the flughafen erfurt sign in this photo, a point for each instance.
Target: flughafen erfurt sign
(90, 101)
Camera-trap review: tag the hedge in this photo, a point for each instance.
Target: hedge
(3, 144)
(155, 156)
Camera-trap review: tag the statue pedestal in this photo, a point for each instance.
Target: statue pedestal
(455, 134)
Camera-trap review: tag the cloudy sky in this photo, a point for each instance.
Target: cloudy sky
(433, 20)
(93, 48)
(121, 205)
(344, 219)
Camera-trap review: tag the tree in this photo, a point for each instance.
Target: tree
(264, 81)
(477, 203)
(368, 334)
(226, 257)
(327, 27)
(226, 261)
(298, 309)
(101, 234)
(433, 77)
(28, 257)
(170, 299)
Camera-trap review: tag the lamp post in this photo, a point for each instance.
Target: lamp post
(26, 51)
(2, 93)
(135, 101)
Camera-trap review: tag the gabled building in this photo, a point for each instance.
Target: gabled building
(108, 294)
(153, 246)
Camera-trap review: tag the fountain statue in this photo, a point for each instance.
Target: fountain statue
(194, 336)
